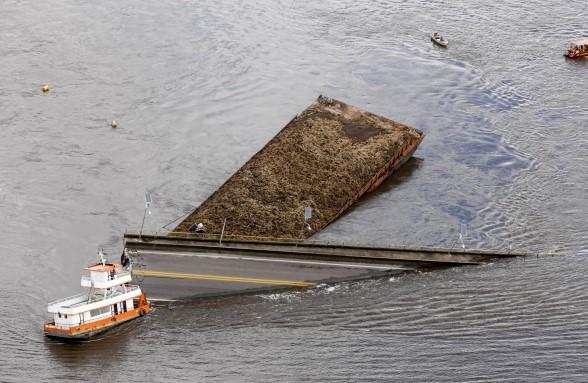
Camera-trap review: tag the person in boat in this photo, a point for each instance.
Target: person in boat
(573, 52)
(124, 258)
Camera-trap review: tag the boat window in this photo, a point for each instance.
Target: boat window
(124, 304)
(59, 314)
(99, 311)
(65, 316)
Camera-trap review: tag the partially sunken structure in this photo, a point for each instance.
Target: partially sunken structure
(326, 158)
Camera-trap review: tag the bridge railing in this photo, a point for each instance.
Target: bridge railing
(216, 237)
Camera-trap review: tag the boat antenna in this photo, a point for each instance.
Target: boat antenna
(101, 257)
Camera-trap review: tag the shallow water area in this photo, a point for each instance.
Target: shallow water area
(199, 87)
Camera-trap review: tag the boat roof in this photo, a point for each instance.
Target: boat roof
(107, 267)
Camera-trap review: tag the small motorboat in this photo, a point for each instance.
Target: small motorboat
(439, 40)
(110, 301)
(577, 49)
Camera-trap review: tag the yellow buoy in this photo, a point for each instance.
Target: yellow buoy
(45, 88)
(113, 124)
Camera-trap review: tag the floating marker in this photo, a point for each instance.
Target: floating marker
(45, 88)
(113, 124)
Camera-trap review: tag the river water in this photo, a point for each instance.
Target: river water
(197, 87)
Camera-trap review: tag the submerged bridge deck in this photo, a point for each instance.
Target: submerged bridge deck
(182, 266)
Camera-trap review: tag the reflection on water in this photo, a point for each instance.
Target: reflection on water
(198, 87)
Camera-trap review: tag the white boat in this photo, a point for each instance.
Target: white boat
(110, 301)
(439, 40)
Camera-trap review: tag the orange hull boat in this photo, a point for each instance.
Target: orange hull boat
(110, 301)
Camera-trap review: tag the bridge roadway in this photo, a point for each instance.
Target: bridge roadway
(172, 275)
(174, 267)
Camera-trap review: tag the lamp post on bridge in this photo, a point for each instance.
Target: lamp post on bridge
(147, 204)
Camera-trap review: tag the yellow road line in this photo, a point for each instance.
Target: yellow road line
(220, 278)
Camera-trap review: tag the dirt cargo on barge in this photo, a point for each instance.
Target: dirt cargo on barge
(325, 159)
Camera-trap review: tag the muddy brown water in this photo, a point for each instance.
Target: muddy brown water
(198, 87)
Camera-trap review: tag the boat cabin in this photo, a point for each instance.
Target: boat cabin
(105, 275)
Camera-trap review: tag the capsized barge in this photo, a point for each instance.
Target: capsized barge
(110, 301)
(325, 158)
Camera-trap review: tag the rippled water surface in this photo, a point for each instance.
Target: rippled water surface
(197, 87)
